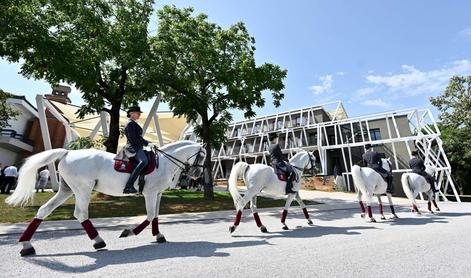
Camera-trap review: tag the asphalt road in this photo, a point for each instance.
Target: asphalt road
(339, 244)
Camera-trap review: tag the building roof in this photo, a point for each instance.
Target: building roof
(170, 126)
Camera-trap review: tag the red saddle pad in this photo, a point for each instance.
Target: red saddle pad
(128, 166)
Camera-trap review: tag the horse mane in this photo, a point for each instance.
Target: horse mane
(176, 145)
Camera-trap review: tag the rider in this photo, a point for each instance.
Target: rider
(418, 166)
(134, 146)
(373, 161)
(278, 161)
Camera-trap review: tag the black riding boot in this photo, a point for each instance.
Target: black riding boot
(390, 188)
(129, 189)
(289, 185)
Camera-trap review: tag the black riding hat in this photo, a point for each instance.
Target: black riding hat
(368, 146)
(133, 109)
(272, 136)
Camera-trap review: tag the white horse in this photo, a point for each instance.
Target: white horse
(83, 171)
(261, 177)
(369, 183)
(413, 184)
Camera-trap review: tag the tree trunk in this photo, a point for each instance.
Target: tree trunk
(208, 171)
(111, 142)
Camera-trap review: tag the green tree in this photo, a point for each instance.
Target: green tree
(455, 115)
(7, 112)
(85, 143)
(205, 70)
(100, 47)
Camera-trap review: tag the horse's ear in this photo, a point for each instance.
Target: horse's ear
(388, 159)
(204, 145)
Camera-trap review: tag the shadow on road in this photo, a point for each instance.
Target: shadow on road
(140, 254)
(310, 232)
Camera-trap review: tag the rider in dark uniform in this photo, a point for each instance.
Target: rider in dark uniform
(373, 161)
(418, 166)
(135, 145)
(278, 161)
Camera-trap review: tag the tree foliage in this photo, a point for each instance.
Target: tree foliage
(7, 112)
(455, 107)
(100, 47)
(205, 70)
(85, 143)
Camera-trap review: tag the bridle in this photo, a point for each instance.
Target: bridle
(183, 165)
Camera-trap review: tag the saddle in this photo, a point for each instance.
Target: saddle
(282, 174)
(127, 165)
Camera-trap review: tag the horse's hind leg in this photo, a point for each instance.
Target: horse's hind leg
(368, 204)
(45, 210)
(285, 210)
(362, 207)
(253, 207)
(429, 201)
(82, 200)
(391, 206)
(306, 213)
(380, 206)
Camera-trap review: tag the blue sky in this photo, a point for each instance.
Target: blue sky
(372, 55)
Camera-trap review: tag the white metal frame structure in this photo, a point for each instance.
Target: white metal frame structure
(102, 124)
(315, 129)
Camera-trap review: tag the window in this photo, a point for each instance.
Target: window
(375, 134)
(300, 121)
(279, 124)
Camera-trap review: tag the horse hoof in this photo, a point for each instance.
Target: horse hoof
(362, 215)
(309, 221)
(372, 220)
(99, 245)
(431, 212)
(285, 227)
(383, 217)
(438, 209)
(232, 229)
(126, 233)
(27, 252)
(263, 229)
(394, 216)
(161, 239)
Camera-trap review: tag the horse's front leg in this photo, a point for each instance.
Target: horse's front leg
(434, 197)
(285, 210)
(368, 204)
(391, 206)
(150, 200)
(155, 222)
(301, 204)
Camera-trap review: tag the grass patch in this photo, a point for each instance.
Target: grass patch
(173, 201)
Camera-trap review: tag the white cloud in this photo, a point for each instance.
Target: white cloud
(466, 32)
(412, 81)
(375, 102)
(325, 87)
(340, 73)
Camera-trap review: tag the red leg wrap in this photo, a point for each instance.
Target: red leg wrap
(155, 226)
(415, 208)
(237, 219)
(381, 209)
(141, 227)
(392, 210)
(88, 227)
(306, 214)
(429, 205)
(29, 232)
(362, 207)
(283, 216)
(370, 215)
(257, 219)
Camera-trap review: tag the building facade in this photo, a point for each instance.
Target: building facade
(337, 140)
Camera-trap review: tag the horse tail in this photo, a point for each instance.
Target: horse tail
(406, 187)
(358, 179)
(24, 191)
(237, 171)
